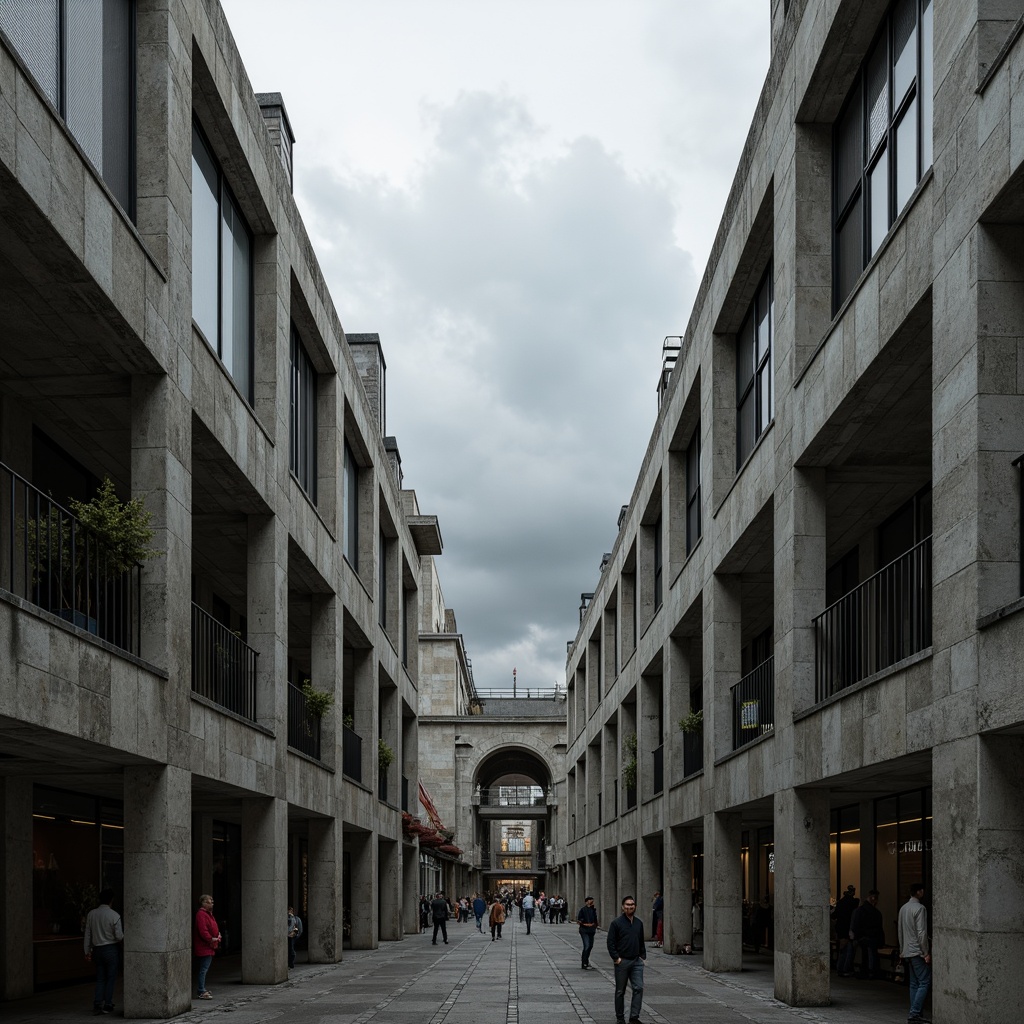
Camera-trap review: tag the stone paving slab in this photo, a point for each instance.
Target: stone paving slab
(524, 979)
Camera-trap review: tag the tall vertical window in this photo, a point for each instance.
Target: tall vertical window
(82, 54)
(302, 439)
(693, 524)
(658, 564)
(755, 380)
(382, 581)
(882, 141)
(221, 267)
(350, 545)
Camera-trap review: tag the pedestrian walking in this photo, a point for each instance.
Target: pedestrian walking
(103, 934)
(205, 941)
(587, 920)
(479, 909)
(294, 931)
(528, 904)
(496, 918)
(439, 912)
(916, 950)
(628, 951)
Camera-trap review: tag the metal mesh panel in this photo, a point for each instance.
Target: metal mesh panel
(33, 28)
(118, 101)
(84, 70)
(876, 82)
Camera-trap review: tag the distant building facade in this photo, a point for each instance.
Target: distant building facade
(799, 668)
(166, 326)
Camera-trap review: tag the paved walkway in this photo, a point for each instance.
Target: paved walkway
(523, 979)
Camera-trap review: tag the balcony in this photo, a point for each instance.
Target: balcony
(223, 665)
(877, 624)
(753, 705)
(352, 754)
(658, 775)
(693, 752)
(50, 559)
(303, 725)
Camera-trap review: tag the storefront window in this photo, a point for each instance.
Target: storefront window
(903, 842)
(844, 852)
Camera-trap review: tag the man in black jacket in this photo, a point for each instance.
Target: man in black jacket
(587, 920)
(628, 952)
(439, 912)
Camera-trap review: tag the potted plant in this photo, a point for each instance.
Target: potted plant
(693, 721)
(385, 756)
(318, 702)
(629, 762)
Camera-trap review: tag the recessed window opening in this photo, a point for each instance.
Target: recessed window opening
(302, 435)
(755, 378)
(350, 546)
(693, 521)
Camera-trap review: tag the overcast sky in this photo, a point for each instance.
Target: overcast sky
(519, 196)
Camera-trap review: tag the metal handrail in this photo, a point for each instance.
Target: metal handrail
(351, 754)
(881, 621)
(303, 725)
(52, 560)
(223, 665)
(753, 704)
(693, 752)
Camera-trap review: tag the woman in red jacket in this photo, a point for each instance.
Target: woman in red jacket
(205, 940)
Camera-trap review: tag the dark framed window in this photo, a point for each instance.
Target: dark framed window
(755, 377)
(222, 263)
(82, 54)
(693, 522)
(382, 581)
(882, 140)
(302, 436)
(658, 564)
(350, 533)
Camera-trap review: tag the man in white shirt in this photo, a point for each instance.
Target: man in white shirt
(916, 950)
(528, 906)
(103, 933)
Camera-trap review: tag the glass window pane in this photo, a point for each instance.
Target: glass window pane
(118, 165)
(745, 355)
(850, 261)
(764, 405)
(849, 158)
(764, 314)
(906, 156)
(924, 93)
(205, 232)
(876, 80)
(878, 200)
(747, 426)
(32, 26)
(904, 48)
(236, 275)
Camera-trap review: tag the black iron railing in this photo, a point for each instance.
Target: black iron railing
(658, 756)
(382, 785)
(223, 665)
(405, 794)
(351, 754)
(303, 725)
(753, 704)
(693, 752)
(630, 797)
(884, 620)
(50, 559)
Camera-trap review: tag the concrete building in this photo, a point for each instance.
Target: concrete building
(822, 551)
(165, 325)
(492, 762)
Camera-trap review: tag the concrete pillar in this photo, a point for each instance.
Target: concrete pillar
(592, 884)
(627, 877)
(16, 979)
(389, 882)
(609, 898)
(326, 670)
(267, 611)
(723, 894)
(264, 890)
(324, 927)
(801, 896)
(722, 666)
(365, 713)
(648, 878)
(363, 859)
(978, 900)
(678, 892)
(202, 855)
(158, 908)
(677, 704)
(410, 889)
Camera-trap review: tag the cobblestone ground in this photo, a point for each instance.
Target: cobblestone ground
(522, 979)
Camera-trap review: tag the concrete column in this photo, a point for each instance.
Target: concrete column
(16, 979)
(267, 611)
(678, 891)
(202, 855)
(365, 713)
(410, 889)
(264, 890)
(677, 704)
(326, 670)
(722, 666)
(592, 883)
(978, 900)
(363, 858)
(389, 725)
(723, 894)
(324, 927)
(627, 877)
(648, 878)
(157, 905)
(608, 898)
(801, 896)
(389, 882)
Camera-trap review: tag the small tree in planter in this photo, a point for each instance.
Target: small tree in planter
(692, 722)
(318, 702)
(385, 756)
(629, 762)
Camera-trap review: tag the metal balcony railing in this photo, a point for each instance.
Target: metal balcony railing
(512, 796)
(50, 559)
(351, 754)
(658, 756)
(885, 619)
(693, 752)
(753, 704)
(223, 665)
(303, 725)
(630, 797)
(382, 786)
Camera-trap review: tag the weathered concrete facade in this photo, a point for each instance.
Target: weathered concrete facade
(831, 574)
(165, 720)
